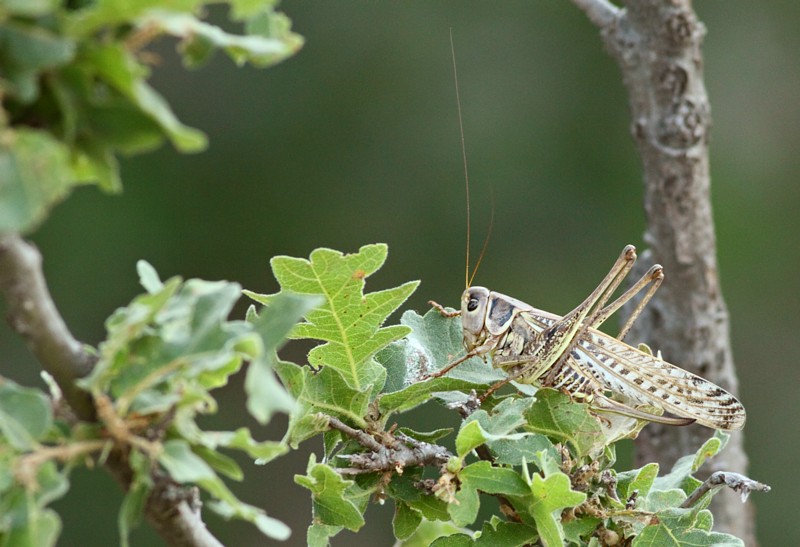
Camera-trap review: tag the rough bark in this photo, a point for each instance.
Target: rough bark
(657, 44)
(171, 509)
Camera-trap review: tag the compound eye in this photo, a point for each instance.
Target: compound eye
(472, 305)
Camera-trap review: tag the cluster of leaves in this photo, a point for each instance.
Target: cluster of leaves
(164, 354)
(73, 83)
(547, 459)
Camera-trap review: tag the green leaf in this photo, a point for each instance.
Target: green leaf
(464, 510)
(324, 392)
(430, 507)
(182, 464)
(640, 480)
(500, 427)
(680, 529)
(170, 347)
(434, 342)
(660, 500)
(148, 277)
(199, 39)
(428, 532)
(501, 424)
(332, 505)
(186, 340)
(455, 540)
(482, 476)
(507, 534)
(709, 449)
(349, 322)
(117, 66)
(25, 415)
(221, 463)
(548, 461)
(469, 438)
(680, 475)
(241, 439)
(41, 529)
(37, 174)
(265, 395)
(577, 530)
(406, 520)
(25, 519)
(232, 508)
(28, 51)
(416, 394)
(550, 497)
(318, 535)
(555, 415)
(704, 520)
(490, 479)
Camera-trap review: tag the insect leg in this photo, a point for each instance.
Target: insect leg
(438, 307)
(562, 336)
(654, 277)
(451, 366)
(497, 386)
(604, 404)
(598, 298)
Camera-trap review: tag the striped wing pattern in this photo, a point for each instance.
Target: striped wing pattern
(602, 361)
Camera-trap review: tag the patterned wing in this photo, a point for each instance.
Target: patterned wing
(647, 379)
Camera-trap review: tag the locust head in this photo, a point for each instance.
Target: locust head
(474, 303)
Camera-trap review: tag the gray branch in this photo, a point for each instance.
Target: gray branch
(171, 509)
(657, 44)
(736, 482)
(395, 453)
(33, 315)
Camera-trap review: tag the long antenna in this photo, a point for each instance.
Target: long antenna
(467, 279)
(486, 240)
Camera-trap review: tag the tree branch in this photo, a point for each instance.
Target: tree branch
(173, 510)
(736, 482)
(33, 315)
(394, 454)
(657, 44)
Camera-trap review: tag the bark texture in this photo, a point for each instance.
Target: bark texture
(657, 44)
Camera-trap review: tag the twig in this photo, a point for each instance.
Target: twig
(33, 315)
(396, 454)
(28, 465)
(736, 482)
(363, 438)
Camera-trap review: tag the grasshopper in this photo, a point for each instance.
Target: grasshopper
(570, 354)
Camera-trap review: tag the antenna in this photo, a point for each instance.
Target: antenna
(467, 277)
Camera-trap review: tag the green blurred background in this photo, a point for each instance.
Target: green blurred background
(355, 140)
